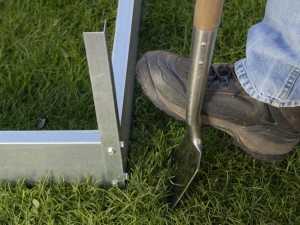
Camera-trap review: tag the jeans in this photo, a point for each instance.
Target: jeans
(270, 72)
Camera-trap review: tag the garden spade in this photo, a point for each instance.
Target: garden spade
(207, 17)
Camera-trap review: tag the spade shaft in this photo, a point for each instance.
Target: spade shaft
(187, 156)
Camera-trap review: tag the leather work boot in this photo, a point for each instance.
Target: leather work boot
(265, 132)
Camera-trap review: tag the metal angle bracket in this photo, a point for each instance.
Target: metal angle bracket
(104, 94)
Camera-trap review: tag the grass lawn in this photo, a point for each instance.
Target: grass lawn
(43, 74)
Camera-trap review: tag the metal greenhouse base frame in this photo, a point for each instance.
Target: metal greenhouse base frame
(77, 154)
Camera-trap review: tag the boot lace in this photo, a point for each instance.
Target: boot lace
(222, 73)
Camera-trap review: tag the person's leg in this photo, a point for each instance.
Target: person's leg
(270, 72)
(262, 130)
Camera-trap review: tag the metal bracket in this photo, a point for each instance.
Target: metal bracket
(77, 154)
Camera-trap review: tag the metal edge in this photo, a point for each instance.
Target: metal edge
(124, 57)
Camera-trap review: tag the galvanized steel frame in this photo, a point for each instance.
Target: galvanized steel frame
(76, 154)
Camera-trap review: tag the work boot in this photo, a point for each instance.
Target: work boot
(265, 132)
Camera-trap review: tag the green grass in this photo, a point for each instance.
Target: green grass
(43, 65)
(44, 75)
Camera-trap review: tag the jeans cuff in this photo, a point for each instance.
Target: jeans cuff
(252, 91)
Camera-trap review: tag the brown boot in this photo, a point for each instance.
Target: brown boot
(265, 132)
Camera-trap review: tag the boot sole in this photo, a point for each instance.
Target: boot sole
(254, 143)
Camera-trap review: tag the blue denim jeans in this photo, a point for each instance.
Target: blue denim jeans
(270, 72)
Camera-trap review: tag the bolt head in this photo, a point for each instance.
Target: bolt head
(111, 151)
(115, 183)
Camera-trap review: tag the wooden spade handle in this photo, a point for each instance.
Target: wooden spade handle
(207, 15)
